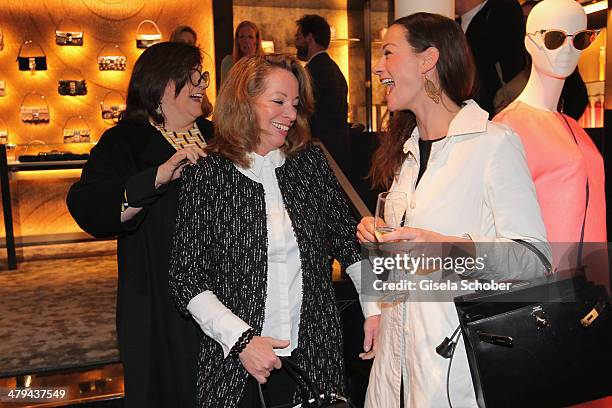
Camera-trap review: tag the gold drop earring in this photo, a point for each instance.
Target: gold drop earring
(431, 90)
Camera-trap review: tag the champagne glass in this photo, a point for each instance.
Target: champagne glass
(390, 212)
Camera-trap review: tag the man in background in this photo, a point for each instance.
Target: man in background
(495, 30)
(329, 121)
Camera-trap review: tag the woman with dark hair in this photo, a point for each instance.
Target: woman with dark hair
(258, 218)
(468, 190)
(128, 189)
(247, 43)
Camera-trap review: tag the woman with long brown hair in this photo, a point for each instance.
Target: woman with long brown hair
(466, 183)
(247, 43)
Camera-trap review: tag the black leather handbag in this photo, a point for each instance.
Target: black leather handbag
(311, 396)
(550, 353)
(32, 63)
(72, 87)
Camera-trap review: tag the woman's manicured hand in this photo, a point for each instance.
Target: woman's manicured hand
(171, 169)
(365, 230)
(370, 341)
(259, 359)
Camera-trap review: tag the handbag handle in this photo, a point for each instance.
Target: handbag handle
(26, 42)
(296, 374)
(80, 29)
(42, 98)
(150, 22)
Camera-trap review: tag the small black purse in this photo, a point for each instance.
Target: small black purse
(71, 87)
(311, 396)
(35, 63)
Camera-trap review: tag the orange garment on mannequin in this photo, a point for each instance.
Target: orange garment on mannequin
(560, 169)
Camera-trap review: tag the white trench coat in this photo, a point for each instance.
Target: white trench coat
(477, 184)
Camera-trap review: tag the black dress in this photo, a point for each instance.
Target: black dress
(158, 346)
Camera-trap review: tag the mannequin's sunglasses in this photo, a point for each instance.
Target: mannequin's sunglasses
(554, 39)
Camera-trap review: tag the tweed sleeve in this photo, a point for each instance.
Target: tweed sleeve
(193, 234)
(340, 224)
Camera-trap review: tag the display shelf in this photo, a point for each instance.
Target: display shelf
(11, 166)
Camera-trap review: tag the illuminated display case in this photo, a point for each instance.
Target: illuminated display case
(592, 67)
(351, 45)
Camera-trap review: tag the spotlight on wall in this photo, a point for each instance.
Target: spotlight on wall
(595, 6)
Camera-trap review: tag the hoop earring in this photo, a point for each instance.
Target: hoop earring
(432, 92)
(159, 110)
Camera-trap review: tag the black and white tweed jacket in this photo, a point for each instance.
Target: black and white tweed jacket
(220, 244)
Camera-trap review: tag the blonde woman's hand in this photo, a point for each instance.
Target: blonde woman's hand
(370, 341)
(365, 230)
(259, 359)
(171, 169)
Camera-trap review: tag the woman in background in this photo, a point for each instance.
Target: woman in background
(247, 42)
(128, 189)
(184, 34)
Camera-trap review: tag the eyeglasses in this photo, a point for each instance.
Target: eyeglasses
(196, 78)
(554, 39)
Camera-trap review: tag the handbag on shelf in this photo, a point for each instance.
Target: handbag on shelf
(72, 87)
(2, 88)
(112, 63)
(33, 114)
(112, 113)
(310, 394)
(37, 62)
(76, 130)
(146, 40)
(112, 106)
(111, 58)
(34, 109)
(51, 156)
(77, 135)
(69, 38)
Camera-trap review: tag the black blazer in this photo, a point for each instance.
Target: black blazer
(496, 34)
(329, 121)
(158, 346)
(221, 245)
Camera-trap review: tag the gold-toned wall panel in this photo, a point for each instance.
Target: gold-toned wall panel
(39, 199)
(39, 206)
(103, 22)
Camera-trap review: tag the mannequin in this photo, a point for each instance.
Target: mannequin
(560, 155)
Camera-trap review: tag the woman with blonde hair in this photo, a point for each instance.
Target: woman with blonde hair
(259, 218)
(247, 43)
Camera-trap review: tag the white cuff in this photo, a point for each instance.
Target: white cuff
(216, 320)
(369, 304)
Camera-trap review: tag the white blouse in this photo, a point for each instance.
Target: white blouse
(284, 283)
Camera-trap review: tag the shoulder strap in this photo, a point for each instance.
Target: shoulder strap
(586, 204)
